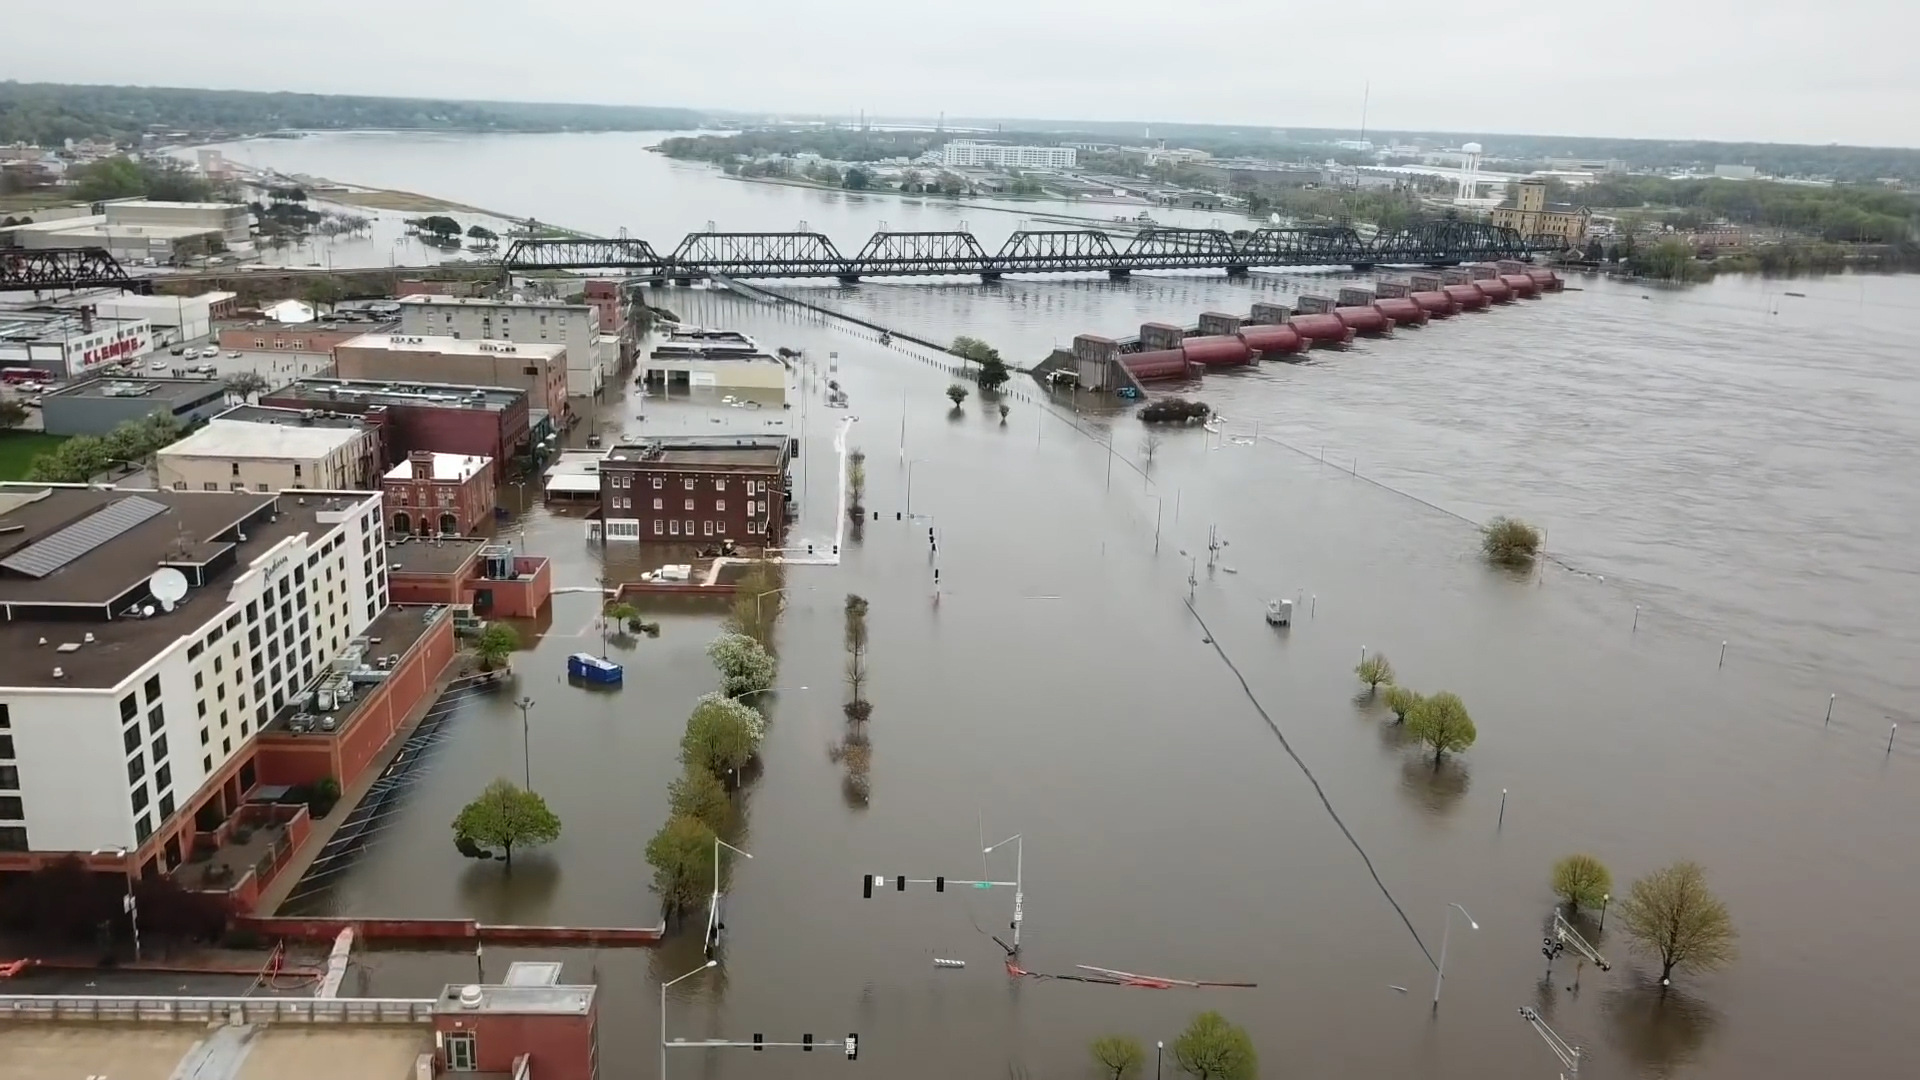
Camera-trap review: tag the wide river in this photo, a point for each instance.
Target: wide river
(1730, 463)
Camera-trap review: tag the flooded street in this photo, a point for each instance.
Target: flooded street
(1742, 475)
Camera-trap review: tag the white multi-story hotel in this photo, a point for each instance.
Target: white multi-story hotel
(148, 637)
(1007, 155)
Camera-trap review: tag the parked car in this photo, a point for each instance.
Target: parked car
(212, 352)
(177, 350)
(234, 355)
(158, 365)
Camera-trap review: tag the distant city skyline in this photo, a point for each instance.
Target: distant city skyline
(1720, 70)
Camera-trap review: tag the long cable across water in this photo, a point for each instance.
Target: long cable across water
(1308, 773)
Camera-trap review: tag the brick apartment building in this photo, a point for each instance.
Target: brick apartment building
(432, 494)
(539, 368)
(480, 421)
(680, 489)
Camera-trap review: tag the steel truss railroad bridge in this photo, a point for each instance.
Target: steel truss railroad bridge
(1073, 251)
(22, 270)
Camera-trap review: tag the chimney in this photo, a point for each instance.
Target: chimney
(422, 462)
(86, 319)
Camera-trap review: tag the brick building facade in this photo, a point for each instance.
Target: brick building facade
(435, 494)
(693, 489)
(482, 421)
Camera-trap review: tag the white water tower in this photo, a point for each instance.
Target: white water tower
(1469, 171)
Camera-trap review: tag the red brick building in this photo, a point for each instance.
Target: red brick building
(483, 421)
(498, 582)
(604, 298)
(697, 488)
(436, 494)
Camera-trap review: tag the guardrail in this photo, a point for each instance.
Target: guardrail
(205, 1010)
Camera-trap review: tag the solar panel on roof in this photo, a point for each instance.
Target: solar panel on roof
(43, 557)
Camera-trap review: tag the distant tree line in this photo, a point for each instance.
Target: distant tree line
(838, 144)
(49, 113)
(163, 179)
(1870, 213)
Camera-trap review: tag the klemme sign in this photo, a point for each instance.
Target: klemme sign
(102, 349)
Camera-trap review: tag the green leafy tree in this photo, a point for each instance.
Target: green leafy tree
(1213, 1049)
(681, 855)
(1374, 670)
(956, 393)
(699, 795)
(1581, 881)
(482, 234)
(757, 601)
(1442, 723)
(1672, 915)
(13, 414)
(322, 292)
(496, 643)
(1401, 700)
(722, 735)
(75, 461)
(1510, 541)
(745, 667)
(1118, 1056)
(624, 615)
(505, 816)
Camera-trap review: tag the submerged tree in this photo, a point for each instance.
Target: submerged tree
(505, 816)
(722, 735)
(1510, 541)
(1213, 1049)
(681, 855)
(1442, 723)
(1581, 881)
(1673, 916)
(1401, 700)
(699, 795)
(757, 601)
(745, 667)
(496, 643)
(956, 393)
(1374, 670)
(1118, 1056)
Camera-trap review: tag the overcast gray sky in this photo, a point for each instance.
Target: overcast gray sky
(1774, 70)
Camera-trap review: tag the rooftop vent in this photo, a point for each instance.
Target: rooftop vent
(59, 673)
(471, 997)
(70, 646)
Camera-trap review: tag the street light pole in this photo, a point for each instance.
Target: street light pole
(526, 738)
(910, 465)
(1440, 973)
(1159, 1049)
(713, 905)
(127, 903)
(663, 1011)
(1019, 894)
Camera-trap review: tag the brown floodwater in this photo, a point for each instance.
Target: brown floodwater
(1743, 476)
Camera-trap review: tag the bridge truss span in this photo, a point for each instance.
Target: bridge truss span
(1063, 251)
(50, 269)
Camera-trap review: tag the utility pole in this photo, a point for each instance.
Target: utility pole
(526, 738)
(1564, 935)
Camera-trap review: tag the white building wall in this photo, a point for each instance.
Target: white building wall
(83, 771)
(73, 784)
(575, 326)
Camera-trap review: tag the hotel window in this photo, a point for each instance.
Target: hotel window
(656, 483)
(719, 506)
(10, 808)
(720, 528)
(658, 525)
(689, 504)
(706, 528)
(13, 838)
(656, 504)
(720, 484)
(675, 530)
(689, 528)
(689, 483)
(9, 778)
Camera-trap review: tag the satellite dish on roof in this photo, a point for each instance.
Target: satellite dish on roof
(168, 586)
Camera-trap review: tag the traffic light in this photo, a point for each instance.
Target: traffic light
(940, 883)
(758, 1040)
(866, 886)
(853, 1046)
(806, 1043)
(900, 883)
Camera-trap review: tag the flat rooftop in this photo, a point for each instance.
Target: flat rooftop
(40, 324)
(233, 438)
(174, 391)
(322, 392)
(267, 414)
(395, 632)
(37, 1050)
(97, 548)
(436, 557)
(754, 451)
(453, 346)
(443, 300)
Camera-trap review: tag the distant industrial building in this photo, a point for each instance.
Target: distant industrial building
(968, 153)
(691, 367)
(72, 344)
(1736, 172)
(485, 421)
(137, 230)
(173, 318)
(540, 368)
(1527, 212)
(684, 489)
(250, 448)
(299, 340)
(576, 327)
(97, 406)
(435, 494)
